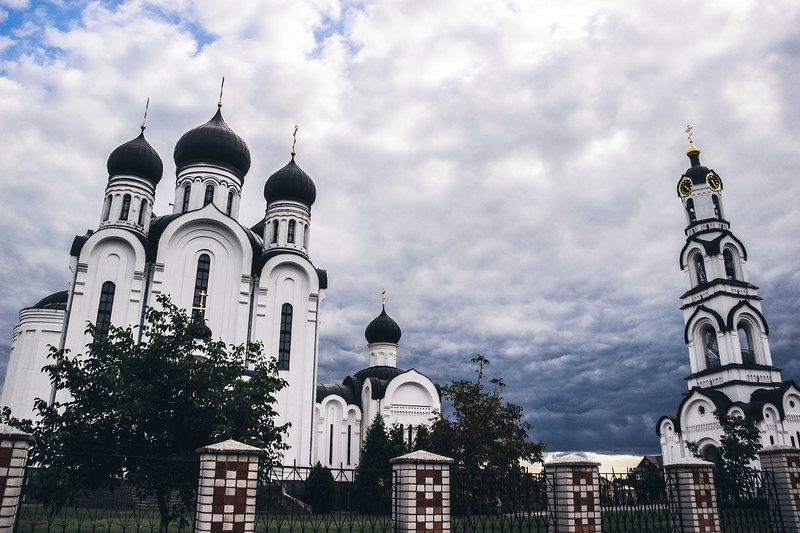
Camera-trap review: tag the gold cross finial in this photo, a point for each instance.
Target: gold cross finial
(144, 118)
(689, 133)
(383, 298)
(294, 140)
(221, 86)
(202, 306)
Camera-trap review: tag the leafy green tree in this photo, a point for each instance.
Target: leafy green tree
(739, 446)
(397, 444)
(320, 489)
(484, 432)
(422, 438)
(374, 475)
(164, 397)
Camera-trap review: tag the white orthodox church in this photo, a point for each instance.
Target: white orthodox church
(254, 283)
(726, 333)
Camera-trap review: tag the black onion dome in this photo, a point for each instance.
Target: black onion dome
(290, 183)
(57, 300)
(136, 158)
(378, 372)
(213, 142)
(199, 330)
(697, 172)
(383, 329)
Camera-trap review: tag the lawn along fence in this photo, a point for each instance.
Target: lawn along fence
(488, 502)
(69, 493)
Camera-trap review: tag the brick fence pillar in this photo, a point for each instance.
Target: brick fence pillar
(421, 493)
(573, 494)
(226, 496)
(691, 481)
(14, 445)
(784, 464)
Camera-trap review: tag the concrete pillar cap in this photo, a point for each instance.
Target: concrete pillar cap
(12, 433)
(421, 456)
(231, 446)
(778, 448)
(571, 459)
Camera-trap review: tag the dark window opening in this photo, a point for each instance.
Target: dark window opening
(200, 301)
(349, 441)
(305, 236)
(274, 231)
(229, 208)
(186, 191)
(772, 440)
(285, 343)
(107, 208)
(793, 444)
(717, 208)
(730, 265)
(690, 210)
(711, 348)
(126, 207)
(290, 232)
(700, 268)
(209, 197)
(142, 212)
(410, 436)
(330, 447)
(103, 322)
(746, 345)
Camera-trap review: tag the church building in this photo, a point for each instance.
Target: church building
(725, 331)
(248, 283)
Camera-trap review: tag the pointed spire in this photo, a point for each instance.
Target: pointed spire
(383, 299)
(294, 141)
(221, 87)
(144, 118)
(693, 151)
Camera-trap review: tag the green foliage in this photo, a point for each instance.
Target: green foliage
(397, 444)
(739, 446)
(320, 489)
(422, 441)
(164, 397)
(484, 431)
(373, 481)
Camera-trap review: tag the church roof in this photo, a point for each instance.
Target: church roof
(383, 329)
(57, 300)
(696, 172)
(136, 158)
(378, 377)
(290, 183)
(213, 142)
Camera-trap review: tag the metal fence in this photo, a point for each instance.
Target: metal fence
(638, 501)
(489, 502)
(747, 502)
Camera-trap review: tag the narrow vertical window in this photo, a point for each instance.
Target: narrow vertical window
(717, 208)
(690, 210)
(209, 197)
(107, 208)
(746, 345)
(186, 192)
(103, 322)
(126, 207)
(792, 438)
(142, 211)
(730, 266)
(199, 303)
(771, 440)
(700, 268)
(711, 348)
(410, 436)
(349, 440)
(274, 231)
(285, 343)
(229, 207)
(290, 232)
(330, 447)
(305, 236)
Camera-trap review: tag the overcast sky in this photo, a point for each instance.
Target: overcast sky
(507, 170)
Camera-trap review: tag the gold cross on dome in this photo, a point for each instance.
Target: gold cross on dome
(221, 87)
(144, 118)
(689, 133)
(202, 306)
(383, 298)
(294, 140)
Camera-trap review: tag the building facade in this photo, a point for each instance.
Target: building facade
(725, 332)
(248, 283)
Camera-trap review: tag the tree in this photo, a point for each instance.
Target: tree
(422, 439)
(739, 446)
(374, 474)
(161, 398)
(397, 445)
(484, 432)
(320, 489)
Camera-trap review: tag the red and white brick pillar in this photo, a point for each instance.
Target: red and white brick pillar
(691, 481)
(573, 495)
(14, 445)
(784, 464)
(421, 493)
(226, 496)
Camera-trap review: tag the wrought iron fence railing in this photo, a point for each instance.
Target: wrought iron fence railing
(638, 501)
(747, 502)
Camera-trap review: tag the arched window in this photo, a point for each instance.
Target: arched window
(330, 446)
(274, 231)
(730, 265)
(305, 236)
(746, 344)
(126, 207)
(209, 197)
(690, 210)
(107, 208)
(700, 268)
(200, 303)
(142, 211)
(710, 347)
(186, 192)
(229, 207)
(717, 208)
(285, 342)
(350, 441)
(771, 440)
(290, 232)
(103, 321)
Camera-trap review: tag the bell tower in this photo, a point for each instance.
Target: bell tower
(725, 330)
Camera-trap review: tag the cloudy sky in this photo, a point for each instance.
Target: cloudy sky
(505, 169)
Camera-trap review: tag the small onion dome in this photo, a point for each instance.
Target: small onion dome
(136, 158)
(290, 183)
(199, 330)
(383, 329)
(697, 172)
(57, 300)
(213, 142)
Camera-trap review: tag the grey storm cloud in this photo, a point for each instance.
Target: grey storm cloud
(506, 170)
